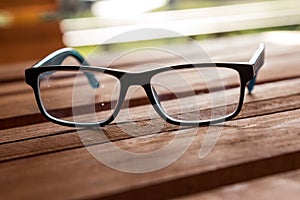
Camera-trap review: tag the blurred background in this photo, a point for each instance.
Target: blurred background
(31, 29)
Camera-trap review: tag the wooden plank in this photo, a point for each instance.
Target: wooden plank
(26, 133)
(280, 186)
(22, 142)
(75, 174)
(262, 140)
(36, 140)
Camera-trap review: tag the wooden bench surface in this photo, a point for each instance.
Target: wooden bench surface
(39, 159)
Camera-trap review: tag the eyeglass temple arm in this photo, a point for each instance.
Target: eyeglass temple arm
(57, 57)
(257, 60)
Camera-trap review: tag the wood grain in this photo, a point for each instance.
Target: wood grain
(42, 160)
(233, 160)
(65, 139)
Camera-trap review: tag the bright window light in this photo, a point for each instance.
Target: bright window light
(125, 8)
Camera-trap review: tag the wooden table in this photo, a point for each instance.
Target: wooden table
(257, 155)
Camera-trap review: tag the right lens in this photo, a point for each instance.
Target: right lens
(78, 96)
(197, 94)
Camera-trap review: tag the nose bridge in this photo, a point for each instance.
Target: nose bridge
(137, 78)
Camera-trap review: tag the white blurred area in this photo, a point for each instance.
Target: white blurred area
(120, 9)
(112, 17)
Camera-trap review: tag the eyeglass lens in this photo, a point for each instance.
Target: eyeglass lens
(69, 95)
(197, 94)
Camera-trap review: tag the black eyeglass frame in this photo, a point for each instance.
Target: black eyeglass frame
(247, 72)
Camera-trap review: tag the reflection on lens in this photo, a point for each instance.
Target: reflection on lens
(196, 94)
(79, 96)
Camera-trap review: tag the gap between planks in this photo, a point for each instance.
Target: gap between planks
(279, 186)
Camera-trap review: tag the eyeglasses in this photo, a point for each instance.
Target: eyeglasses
(189, 94)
